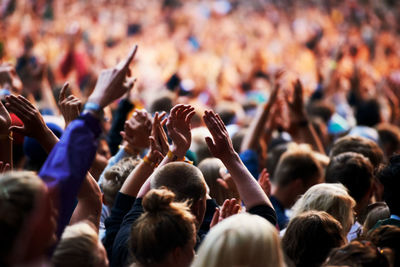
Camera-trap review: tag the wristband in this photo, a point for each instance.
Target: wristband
(149, 162)
(174, 157)
(93, 107)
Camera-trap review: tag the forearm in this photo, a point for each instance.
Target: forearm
(136, 179)
(47, 139)
(307, 134)
(252, 137)
(249, 190)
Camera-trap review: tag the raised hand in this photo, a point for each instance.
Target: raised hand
(113, 83)
(70, 106)
(137, 130)
(229, 208)
(178, 126)
(221, 145)
(4, 167)
(296, 106)
(264, 182)
(158, 139)
(228, 184)
(34, 125)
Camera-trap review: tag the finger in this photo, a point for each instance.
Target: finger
(210, 144)
(236, 209)
(26, 102)
(63, 91)
(130, 57)
(7, 167)
(18, 109)
(17, 129)
(215, 218)
(224, 208)
(222, 183)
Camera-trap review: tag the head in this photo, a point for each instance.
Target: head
(186, 182)
(298, 169)
(389, 177)
(389, 136)
(310, 237)
(331, 198)
(80, 246)
(387, 236)
(355, 172)
(364, 146)
(375, 212)
(115, 176)
(241, 240)
(358, 254)
(368, 113)
(27, 228)
(210, 167)
(165, 233)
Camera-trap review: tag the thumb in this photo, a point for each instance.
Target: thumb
(210, 144)
(215, 218)
(222, 183)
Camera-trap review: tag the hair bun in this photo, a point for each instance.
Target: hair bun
(157, 200)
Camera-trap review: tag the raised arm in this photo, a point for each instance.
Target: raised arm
(5, 137)
(221, 147)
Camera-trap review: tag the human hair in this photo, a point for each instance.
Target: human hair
(210, 168)
(298, 162)
(387, 236)
(241, 240)
(199, 145)
(389, 137)
(184, 180)
(375, 212)
(164, 226)
(310, 237)
(388, 176)
(364, 146)
(354, 171)
(274, 155)
(357, 254)
(19, 195)
(331, 198)
(115, 177)
(162, 103)
(368, 113)
(79, 246)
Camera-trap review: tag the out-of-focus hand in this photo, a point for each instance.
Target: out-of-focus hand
(158, 139)
(220, 145)
(34, 125)
(264, 182)
(229, 208)
(228, 184)
(70, 106)
(178, 126)
(137, 130)
(4, 167)
(9, 78)
(5, 120)
(296, 106)
(113, 83)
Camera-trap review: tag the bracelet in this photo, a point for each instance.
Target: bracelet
(93, 108)
(129, 150)
(149, 162)
(174, 157)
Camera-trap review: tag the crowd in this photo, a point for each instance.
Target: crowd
(199, 133)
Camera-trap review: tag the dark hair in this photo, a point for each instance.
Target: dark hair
(164, 226)
(387, 236)
(353, 170)
(368, 113)
(364, 146)
(310, 237)
(357, 254)
(389, 136)
(389, 177)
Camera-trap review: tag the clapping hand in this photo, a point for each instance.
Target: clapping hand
(70, 106)
(229, 208)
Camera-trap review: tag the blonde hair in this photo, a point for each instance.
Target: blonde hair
(241, 240)
(331, 198)
(78, 247)
(19, 192)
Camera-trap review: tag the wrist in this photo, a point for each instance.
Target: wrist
(152, 162)
(230, 158)
(175, 157)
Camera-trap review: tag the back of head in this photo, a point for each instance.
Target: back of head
(115, 177)
(164, 226)
(79, 246)
(364, 146)
(368, 113)
(389, 136)
(387, 236)
(184, 180)
(19, 194)
(375, 212)
(357, 254)
(210, 167)
(310, 237)
(298, 162)
(241, 240)
(331, 198)
(389, 177)
(354, 171)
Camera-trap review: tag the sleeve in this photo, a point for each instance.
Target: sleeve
(250, 160)
(68, 163)
(211, 205)
(123, 203)
(114, 138)
(264, 211)
(120, 253)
